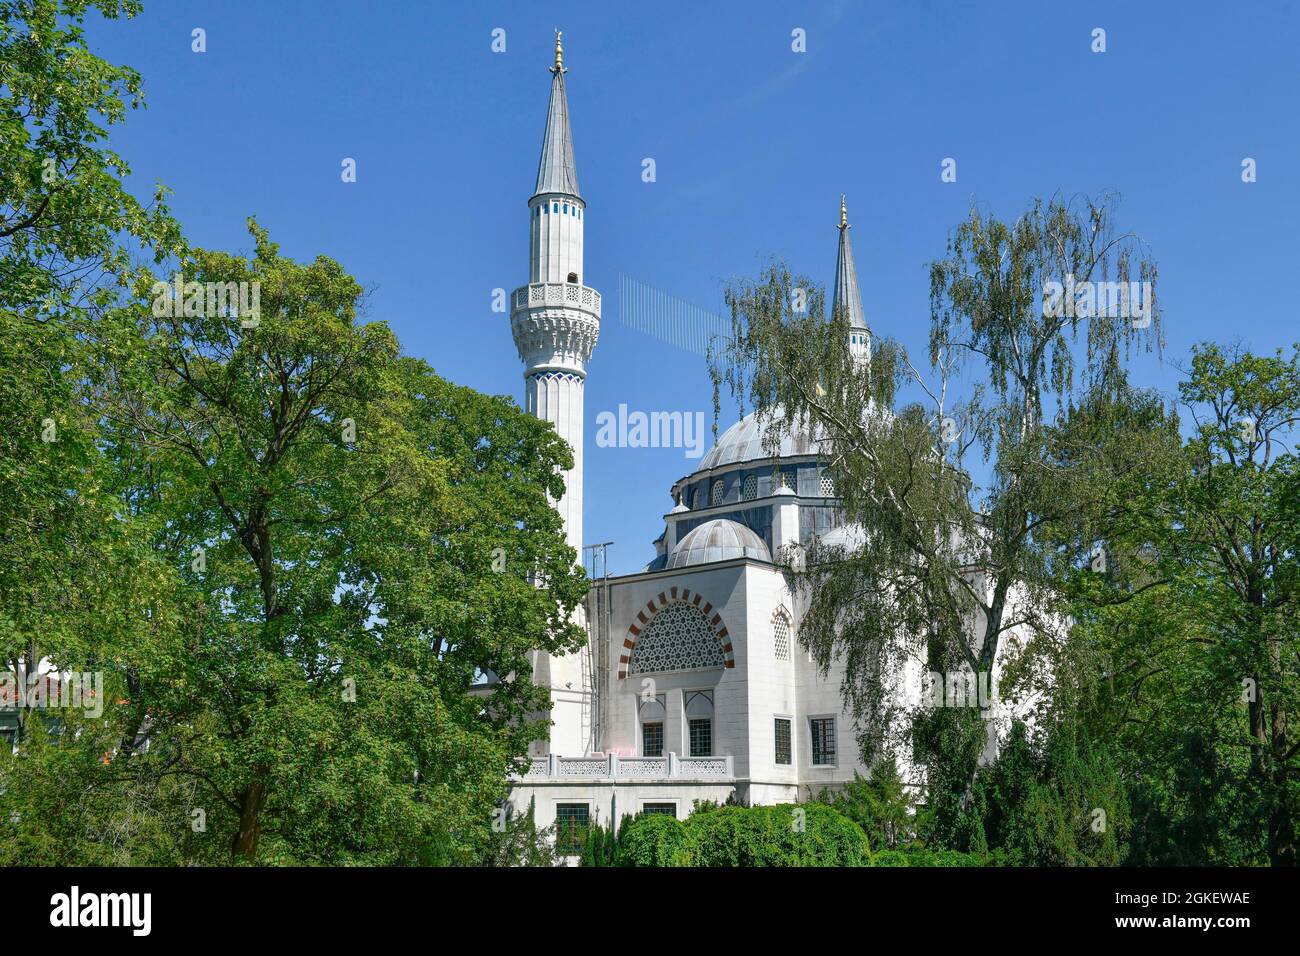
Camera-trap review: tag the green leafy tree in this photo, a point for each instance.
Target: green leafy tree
(879, 803)
(337, 513)
(950, 490)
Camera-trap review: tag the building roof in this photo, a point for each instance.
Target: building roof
(557, 172)
(718, 540)
(747, 440)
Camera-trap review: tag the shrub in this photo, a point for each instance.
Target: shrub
(768, 836)
(652, 840)
(889, 858)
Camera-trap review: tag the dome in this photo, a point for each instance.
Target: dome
(746, 441)
(851, 537)
(718, 540)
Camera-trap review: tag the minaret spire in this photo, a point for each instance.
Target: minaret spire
(557, 173)
(848, 298)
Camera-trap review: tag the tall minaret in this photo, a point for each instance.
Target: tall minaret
(555, 320)
(847, 297)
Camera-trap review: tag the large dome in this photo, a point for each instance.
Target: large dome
(747, 441)
(718, 540)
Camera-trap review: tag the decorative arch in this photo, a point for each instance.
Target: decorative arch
(674, 596)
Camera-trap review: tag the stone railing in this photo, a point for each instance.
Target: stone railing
(615, 768)
(538, 294)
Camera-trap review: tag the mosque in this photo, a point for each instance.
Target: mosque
(693, 685)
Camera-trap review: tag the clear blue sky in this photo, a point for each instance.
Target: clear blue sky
(753, 145)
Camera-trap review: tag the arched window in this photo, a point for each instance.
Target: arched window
(715, 496)
(749, 491)
(678, 638)
(781, 634)
(573, 277)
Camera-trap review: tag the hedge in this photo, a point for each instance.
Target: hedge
(785, 835)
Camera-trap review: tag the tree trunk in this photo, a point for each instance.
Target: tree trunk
(250, 824)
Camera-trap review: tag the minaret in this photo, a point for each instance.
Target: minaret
(847, 297)
(555, 320)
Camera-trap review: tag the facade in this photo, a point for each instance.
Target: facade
(693, 686)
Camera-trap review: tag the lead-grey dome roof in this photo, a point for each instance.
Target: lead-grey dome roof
(746, 441)
(718, 540)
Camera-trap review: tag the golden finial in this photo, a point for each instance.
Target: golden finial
(559, 54)
(844, 212)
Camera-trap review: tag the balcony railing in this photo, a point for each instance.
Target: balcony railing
(558, 293)
(614, 768)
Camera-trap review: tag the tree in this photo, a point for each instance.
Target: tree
(336, 512)
(955, 557)
(880, 804)
(1235, 532)
(68, 229)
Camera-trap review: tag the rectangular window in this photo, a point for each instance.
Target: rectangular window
(702, 737)
(783, 740)
(667, 809)
(571, 821)
(823, 740)
(652, 739)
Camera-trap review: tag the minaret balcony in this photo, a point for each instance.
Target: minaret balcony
(570, 295)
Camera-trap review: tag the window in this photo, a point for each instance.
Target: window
(555, 207)
(828, 486)
(701, 737)
(715, 496)
(652, 739)
(823, 741)
(783, 740)
(571, 821)
(579, 212)
(667, 809)
(781, 635)
(678, 638)
(750, 489)
(566, 208)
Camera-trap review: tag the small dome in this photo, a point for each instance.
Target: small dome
(718, 540)
(746, 441)
(851, 537)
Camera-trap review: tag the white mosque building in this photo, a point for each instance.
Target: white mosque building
(693, 685)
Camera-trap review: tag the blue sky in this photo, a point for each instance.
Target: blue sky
(753, 144)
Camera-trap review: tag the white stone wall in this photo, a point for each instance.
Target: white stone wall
(558, 399)
(556, 239)
(605, 798)
(748, 697)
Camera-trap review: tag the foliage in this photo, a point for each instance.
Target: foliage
(653, 839)
(784, 835)
(954, 558)
(520, 843)
(879, 803)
